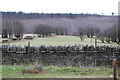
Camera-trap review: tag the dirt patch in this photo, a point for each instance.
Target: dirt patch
(32, 72)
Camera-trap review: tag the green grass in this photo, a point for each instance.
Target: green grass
(59, 40)
(0, 72)
(9, 71)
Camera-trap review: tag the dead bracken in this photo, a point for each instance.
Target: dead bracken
(32, 72)
(33, 69)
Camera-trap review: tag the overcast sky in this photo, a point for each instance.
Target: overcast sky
(61, 6)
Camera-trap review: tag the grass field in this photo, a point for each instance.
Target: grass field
(59, 40)
(9, 71)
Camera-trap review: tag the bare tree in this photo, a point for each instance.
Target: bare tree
(61, 30)
(18, 28)
(111, 34)
(5, 25)
(44, 30)
(81, 33)
(90, 32)
(11, 27)
(118, 31)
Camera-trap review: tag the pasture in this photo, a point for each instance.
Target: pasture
(59, 40)
(14, 71)
(9, 71)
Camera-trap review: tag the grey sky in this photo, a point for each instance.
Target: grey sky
(61, 6)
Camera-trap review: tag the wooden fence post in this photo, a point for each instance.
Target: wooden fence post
(114, 69)
(95, 63)
(29, 46)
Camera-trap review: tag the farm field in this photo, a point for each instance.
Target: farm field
(59, 40)
(9, 71)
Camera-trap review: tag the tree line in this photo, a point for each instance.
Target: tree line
(23, 15)
(16, 28)
(11, 27)
(36, 13)
(47, 30)
(109, 35)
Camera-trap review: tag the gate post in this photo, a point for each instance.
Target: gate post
(114, 69)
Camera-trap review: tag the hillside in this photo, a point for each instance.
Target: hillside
(71, 22)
